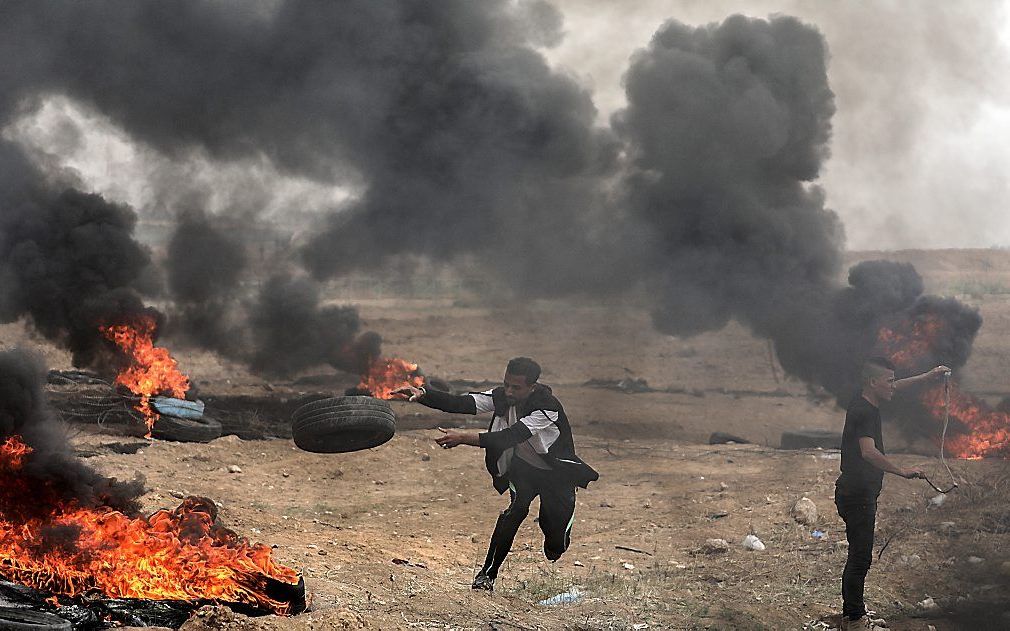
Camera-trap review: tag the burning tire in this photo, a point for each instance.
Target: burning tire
(342, 424)
(27, 620)
(186, 430)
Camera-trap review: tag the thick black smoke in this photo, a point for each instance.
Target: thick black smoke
(52, 471)
(293, 330)
(68, 260)
(726, 127)
(459, 136)
(458, 139)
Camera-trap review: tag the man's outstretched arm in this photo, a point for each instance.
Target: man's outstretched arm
(930, 374)
(454, 404)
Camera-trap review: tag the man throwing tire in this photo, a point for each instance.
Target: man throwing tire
(528, 450)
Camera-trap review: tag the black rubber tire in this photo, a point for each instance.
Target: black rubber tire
(18, 619)
(342, 424)
(186, 430)
(811, 438)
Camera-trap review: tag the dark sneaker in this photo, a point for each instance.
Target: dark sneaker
(483, 581)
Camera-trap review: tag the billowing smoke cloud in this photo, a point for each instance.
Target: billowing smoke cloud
(292, 330)
(726, 126)
(283, 329)
(68, 261)
(54, 472)
(459, 139)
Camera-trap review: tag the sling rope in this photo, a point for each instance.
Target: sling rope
(943, 439)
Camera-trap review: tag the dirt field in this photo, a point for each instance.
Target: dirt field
(390, 538)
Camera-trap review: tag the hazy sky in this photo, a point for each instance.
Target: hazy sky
(920, 151)
(921, 146)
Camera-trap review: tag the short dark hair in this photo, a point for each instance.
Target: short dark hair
(524, 366)
(875, 366)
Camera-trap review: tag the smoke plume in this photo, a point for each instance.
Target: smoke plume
(726, 127)
(457, 139)
(54, 471)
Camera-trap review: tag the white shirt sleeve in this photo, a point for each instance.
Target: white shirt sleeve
(545, 431)
(484, 401)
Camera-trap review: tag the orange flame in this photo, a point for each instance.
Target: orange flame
(990, 429)
(909, 345)
(180, 554)
(386, 376)
(151, 370)
(911, 341)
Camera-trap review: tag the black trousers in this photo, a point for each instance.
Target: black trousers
(859, 512)
(557, 513)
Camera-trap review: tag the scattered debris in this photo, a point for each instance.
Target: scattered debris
(818, 535)
(628, 566)
(425, 457)
(938, 500)
(564, 598)
(804, 511)
(409, 563)
(718, 515)
(579, 564)
(715, 546)
(722, 438)
(751, 542)
(628, 385)
(234, 468)
(975, 560)
(723, 486)
(928, 604)
(630, 549)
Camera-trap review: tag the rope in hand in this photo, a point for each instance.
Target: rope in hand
(943, 439)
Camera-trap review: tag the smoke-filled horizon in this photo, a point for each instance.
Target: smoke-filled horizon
(463, 143)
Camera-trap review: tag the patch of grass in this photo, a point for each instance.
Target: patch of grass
(979, 288)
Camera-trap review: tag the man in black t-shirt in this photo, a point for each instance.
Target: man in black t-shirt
(863, 468)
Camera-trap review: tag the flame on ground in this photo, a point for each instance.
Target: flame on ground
(57, 546)
(151, 370)
(911, 344)
(386, 376)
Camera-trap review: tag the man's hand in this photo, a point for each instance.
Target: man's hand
(912, 473)
(451, 438)
(410, 393)
(939, 371)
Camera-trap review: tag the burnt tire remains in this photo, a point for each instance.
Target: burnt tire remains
(811, 438)
(186, 430)
(16, 618)
(342, 424)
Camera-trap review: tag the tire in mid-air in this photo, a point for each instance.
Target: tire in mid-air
(342, 424)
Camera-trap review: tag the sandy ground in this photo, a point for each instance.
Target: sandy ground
(389, 538)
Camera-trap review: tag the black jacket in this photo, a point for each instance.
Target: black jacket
(560, 455)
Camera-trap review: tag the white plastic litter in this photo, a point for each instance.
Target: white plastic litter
(751, 542)
(928, 604)
(938, 500)
(564, 598)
